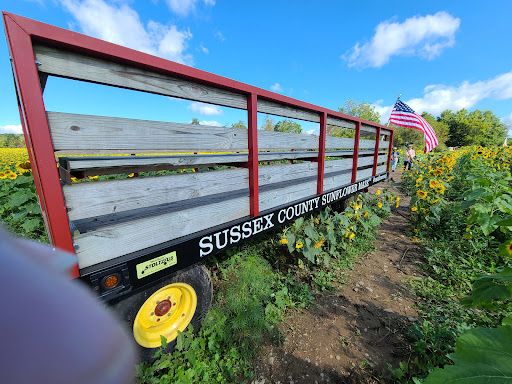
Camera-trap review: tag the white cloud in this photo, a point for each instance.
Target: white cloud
(11, 129)
(507, 120)
(310, 132)
(122, 25)
(204, 49)
(423, 36)
(211, 123)
(439, 97)
(276, 87)
(205, 109)
(220, 36)
(184, 7)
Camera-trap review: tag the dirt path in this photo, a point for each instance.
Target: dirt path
(349, 336)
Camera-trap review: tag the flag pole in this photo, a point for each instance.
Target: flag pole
(398, 98)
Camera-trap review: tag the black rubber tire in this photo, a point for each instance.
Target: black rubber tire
(196, 276)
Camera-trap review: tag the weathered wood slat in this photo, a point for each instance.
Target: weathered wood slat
(116, 196)
(273, 108)
(335, 182)
(382, 159)
(381, 168)
(367, 144)
(364, 174)
(81, 67)
(118, 240)
(331, 120)
(276, 197)
(84, 132)
(76, 66)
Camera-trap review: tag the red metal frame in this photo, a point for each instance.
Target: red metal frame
(252, 125)
(376, 153)
(355, 155)
(22, 33)
(321, 153)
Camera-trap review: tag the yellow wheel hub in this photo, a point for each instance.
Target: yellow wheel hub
(164, 313)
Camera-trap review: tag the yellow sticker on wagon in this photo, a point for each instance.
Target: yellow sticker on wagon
(156, 265)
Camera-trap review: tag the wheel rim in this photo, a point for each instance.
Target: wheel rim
(164, 313)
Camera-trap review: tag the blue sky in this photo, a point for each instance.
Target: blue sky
(439, 55)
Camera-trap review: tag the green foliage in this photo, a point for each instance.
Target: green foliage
(474, 128)
(19, 208)
(481, 355)
(465, 226)
(268, 123)
(240, 124)
(12, 140)
(288, 125)
(362, 110)
(195, 121)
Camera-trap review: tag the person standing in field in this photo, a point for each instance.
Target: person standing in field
(395, 157)
(409, 157)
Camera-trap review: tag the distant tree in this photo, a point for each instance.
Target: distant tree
(12, 140)
(475, 128)
(268, 123)
(195, 121)
(240, 124)
(288, 125)
(354, 108)
(362, 110)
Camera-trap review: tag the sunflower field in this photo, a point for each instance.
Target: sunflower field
(461, 212)
(19, 208)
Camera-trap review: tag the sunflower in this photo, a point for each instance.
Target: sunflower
(12, 176)
(473, 157)
(434, 184)
(378, 192)
(508, 248)
(422, 194)
(319, 244)
(441, 189)
(365, 214)
(23, 167)
(379, 204)
(299, 245)
(352, 235)
(284, 241)
(414, 209)
(3, 175)
(415, 239)
(317, 221)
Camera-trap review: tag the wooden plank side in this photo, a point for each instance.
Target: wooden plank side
(80, 67)
(331, 120)
(382, 159)
(118, 240)
(281, 173)
(381, 168)
(366, 144)
(365, 173)
(115, 196)
(334, 182)
(83, 132)
(273, 108)
(286, 195)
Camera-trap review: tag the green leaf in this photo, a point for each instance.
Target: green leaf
(506, 248)
(19, 198)
(299, 222)
(344, 220)
(163, 340)
(505, 223)
(291, 241)
(482, 355)
(179, 341)
(488, 288)
(31, 224)
(310, 232)
(506, 321)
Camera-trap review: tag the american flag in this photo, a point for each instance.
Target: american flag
(404, 116)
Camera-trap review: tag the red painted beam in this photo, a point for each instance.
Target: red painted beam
(376, 153)
(321, 153)
(390, 150)
(356, 152)
(252, 120)
(37, 136)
